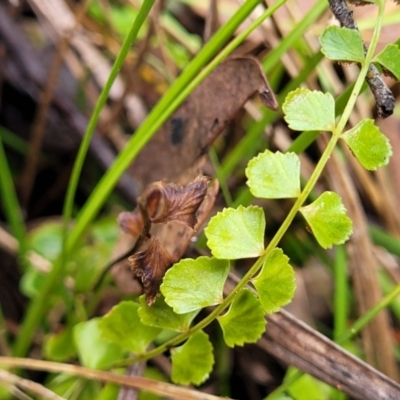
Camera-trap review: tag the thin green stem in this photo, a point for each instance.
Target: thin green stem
(387, 285)
(286, 43)
(289, 218)
(3, 335)
(13, 141)
(341, 292)
(387, 241)
(369, 315)
(363, 72)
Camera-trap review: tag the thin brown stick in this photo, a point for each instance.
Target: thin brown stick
(29, 386)
(17, 393)
(384, 98)
(137, 382)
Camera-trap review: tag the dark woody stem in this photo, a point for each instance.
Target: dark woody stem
(384, 98)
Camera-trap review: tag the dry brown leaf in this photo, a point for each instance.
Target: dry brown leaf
(178, 203)
(150, 266)
(160, 203)
(131, 222)
(151, 199)
(192, 129)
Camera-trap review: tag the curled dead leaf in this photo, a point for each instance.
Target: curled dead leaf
(160, 203)
(150, 266)
(176, 203)
(151, 199)
(131, 222)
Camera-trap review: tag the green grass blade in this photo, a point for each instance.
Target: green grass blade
(10, 203)
(382, 238)
(341, 295)
(367, 317)
(13, 141)
(83, 149)
(309, 19)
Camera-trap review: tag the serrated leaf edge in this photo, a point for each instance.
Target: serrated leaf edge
(227, 212)
(277, 155)
(297, 92)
